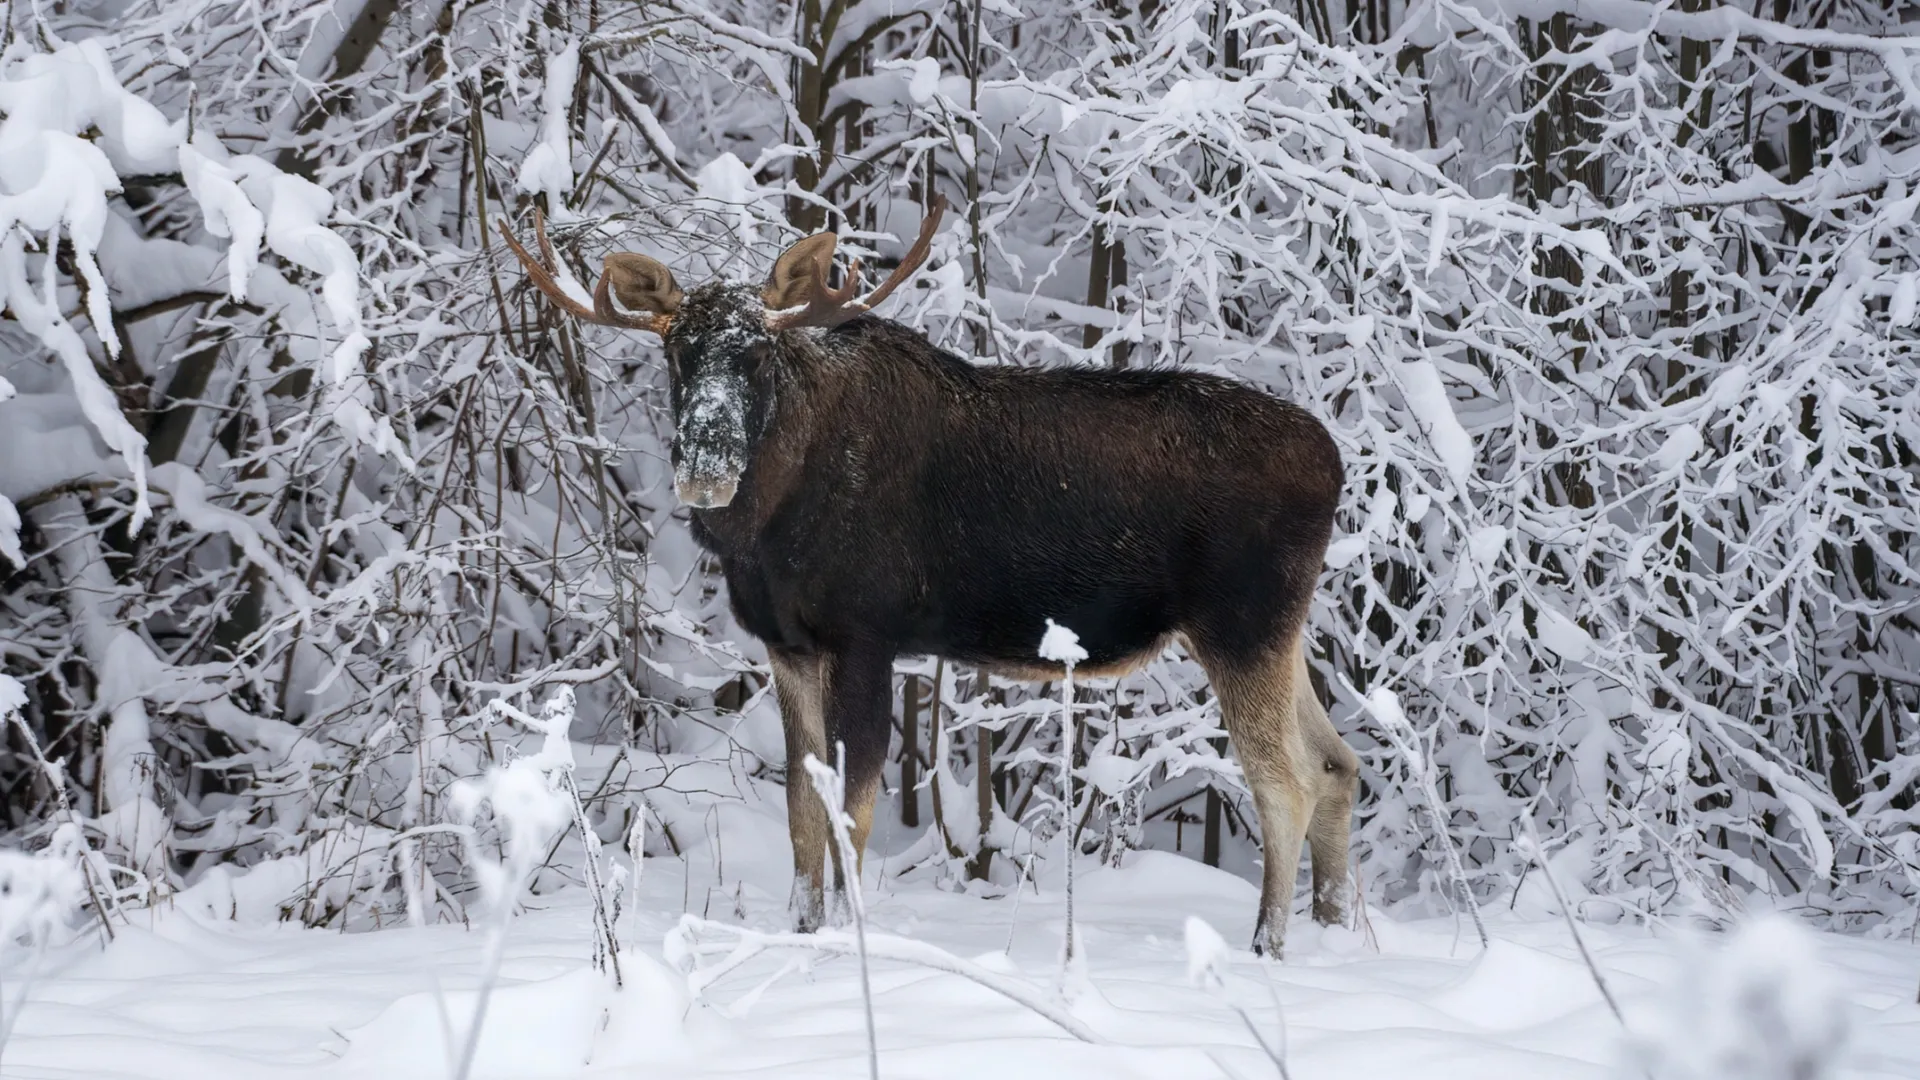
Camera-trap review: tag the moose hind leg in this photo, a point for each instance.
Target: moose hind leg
(801, 683)
(1257, 700)
(1327, 837)
(1336, 771)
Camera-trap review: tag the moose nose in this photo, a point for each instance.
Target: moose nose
(705, 496)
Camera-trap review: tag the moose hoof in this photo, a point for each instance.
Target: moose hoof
(1270, 938)
(839, 909)
(1330, 904)
(807, 907)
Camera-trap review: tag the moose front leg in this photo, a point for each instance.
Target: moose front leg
(829, 701)
(857, 704)
(800, 681)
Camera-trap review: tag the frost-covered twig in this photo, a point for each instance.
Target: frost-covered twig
(12, 700)
(1531, 847)
(637, 855)
(684, 946)
(411, 870)
(558, 715)
(529, 803)
(1207, 958)
(1385, 707)
(1062, 646)
(831, 784)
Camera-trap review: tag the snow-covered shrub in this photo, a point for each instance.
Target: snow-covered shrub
(40, 891)
(1758, 1006)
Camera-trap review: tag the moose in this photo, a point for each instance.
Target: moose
(869, 495)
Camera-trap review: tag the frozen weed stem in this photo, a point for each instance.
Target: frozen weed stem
(832, 786)
(530, 803)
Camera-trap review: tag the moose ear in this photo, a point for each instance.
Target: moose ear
(796, 272)
(642, 284)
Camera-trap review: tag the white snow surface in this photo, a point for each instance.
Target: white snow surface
(186, 992)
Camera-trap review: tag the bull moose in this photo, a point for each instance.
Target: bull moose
(869, 495)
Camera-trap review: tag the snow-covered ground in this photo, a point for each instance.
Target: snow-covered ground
(185, 994)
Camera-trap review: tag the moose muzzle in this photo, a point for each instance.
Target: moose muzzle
(704, 494)
(710, 445)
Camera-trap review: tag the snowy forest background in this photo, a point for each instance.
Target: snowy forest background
(1610, 305)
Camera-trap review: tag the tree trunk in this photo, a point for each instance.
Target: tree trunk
(1210, 840)
(910, 752)
(363, 34)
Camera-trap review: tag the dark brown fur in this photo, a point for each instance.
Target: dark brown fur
(894, 499)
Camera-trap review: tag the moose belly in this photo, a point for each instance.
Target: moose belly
(996, 619)
(991, 621)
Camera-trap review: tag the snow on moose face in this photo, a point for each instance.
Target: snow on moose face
(717, 353)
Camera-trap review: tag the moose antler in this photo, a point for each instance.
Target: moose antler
(825, 306)
(640, 277)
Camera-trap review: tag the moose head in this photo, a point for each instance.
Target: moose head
(718, 338)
